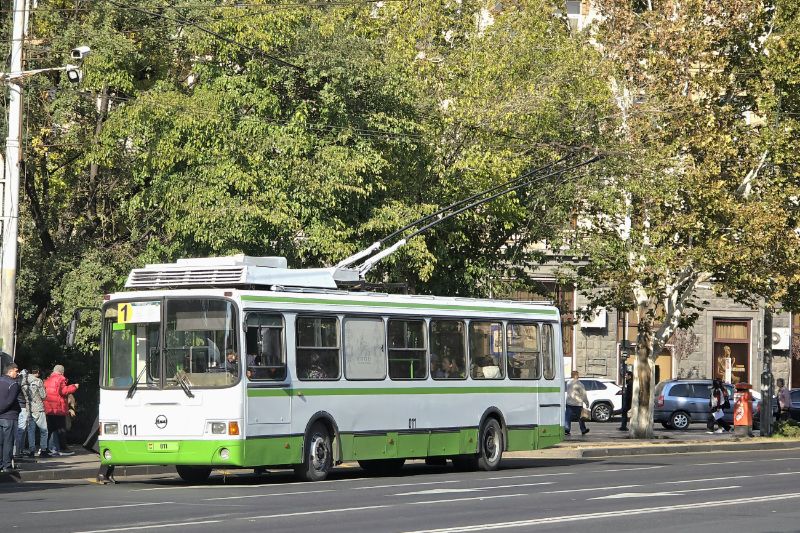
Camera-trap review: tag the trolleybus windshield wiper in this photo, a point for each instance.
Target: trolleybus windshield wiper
(132, 389)
(183, 382)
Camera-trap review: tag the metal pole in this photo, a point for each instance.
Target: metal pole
(8, 277)
(766, 377)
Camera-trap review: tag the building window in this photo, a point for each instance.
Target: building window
(732, 351)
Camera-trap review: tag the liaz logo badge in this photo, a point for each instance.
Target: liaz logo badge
(161, 421)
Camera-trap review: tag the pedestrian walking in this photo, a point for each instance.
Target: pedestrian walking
(576, 400)
(717, 403)
(56, 408)
(627, 399)
(784, 399)
(9, 414)
(32, 389)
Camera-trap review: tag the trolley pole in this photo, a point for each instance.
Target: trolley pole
(767, 423)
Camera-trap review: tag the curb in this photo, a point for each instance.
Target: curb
(686, 448)
(82, 473)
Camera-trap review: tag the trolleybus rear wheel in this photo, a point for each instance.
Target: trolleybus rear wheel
(317, 454)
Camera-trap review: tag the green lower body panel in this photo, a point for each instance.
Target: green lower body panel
(284, 450)
(173, 452)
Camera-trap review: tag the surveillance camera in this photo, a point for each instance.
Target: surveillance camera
(74, 74)
(80, 52)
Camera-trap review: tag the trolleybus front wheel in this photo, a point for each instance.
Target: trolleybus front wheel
(317, 454)
(490, 446)
(193, 474)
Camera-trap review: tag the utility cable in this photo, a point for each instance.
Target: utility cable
(369, 263)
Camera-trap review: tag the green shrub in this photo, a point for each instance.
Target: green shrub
(788, 428)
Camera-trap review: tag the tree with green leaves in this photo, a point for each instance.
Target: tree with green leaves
(701, 185)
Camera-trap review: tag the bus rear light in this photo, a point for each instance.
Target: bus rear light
(233, 428)
(218, 428)
(110, 428)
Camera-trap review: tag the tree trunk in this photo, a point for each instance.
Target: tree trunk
(643, 372)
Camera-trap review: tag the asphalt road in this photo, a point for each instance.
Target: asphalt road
(709, 492)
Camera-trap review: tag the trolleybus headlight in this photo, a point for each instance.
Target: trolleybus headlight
(107, 454)
(218, 428)
(225, 454)
(233, 428)
(110, 428)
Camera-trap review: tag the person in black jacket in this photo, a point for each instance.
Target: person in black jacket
(627, 399)
(9, 414)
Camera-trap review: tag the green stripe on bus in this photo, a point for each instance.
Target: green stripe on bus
(402, 305)
(364, 391)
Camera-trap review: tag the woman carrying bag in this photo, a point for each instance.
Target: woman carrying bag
(717, 403)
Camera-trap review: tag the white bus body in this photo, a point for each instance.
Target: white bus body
(229, 378)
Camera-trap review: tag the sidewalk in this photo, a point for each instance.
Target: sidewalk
(602, 441)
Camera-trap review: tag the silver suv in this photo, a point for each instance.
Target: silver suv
(681, 402)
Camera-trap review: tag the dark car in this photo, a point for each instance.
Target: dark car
(794, 408)
(681, 402)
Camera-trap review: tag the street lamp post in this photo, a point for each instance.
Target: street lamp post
(10, 211)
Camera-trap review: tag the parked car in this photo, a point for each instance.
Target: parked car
(605, 398)
(681, 402)
(794, 409)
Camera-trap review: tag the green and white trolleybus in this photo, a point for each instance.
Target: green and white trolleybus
(240, 362)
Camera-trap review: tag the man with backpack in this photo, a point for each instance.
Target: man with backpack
(34, 393)
(717, 403)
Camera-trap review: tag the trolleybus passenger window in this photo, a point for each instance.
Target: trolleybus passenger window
(317, 348)
(198, 335)
(448, 347)
(522, 341)
(548, 352)
(364, 353)
(131, 343)
(265, 358)
(407, 349)
(486, 350)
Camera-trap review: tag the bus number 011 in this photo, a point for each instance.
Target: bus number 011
(412, 423)
(129, 429)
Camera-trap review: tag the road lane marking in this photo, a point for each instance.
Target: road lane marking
(612, 514)
(152, 526)
(267, 495)
(413, 484)
(652, 494)
(472, 489)
(321, 511)
(261, 485)
(456, 500)
(590, 488)
(628, 469)
(98, 508)
(746, 461)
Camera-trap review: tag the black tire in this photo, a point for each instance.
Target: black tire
(602, 412)
(317, 454)
(666, 425)
(382, 467)
(679, 420)
(490, 445)
(194, 474)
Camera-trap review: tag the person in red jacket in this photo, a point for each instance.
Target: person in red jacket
(56, 407)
